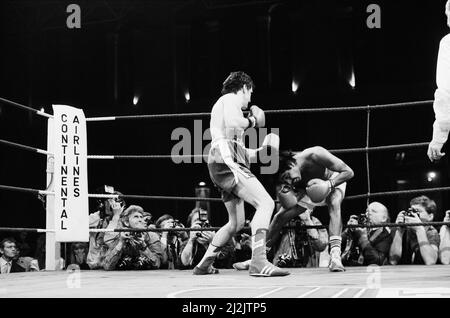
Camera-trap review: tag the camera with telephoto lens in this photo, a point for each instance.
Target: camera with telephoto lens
(412, 212)
(203, 218)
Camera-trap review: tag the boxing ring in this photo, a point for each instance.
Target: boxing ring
(402, 281)
(356, 282)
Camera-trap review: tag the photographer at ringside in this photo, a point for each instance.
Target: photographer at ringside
(133, 250)
(106, 216)
(416, 244)
(363, 245)
(171, 241)
(299, 247)
(195, 247)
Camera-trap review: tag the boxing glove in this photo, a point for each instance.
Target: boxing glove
(271, 140)
(287, 197)
(257, 117)
(318, 189)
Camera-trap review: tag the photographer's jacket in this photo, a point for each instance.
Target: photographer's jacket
(141, 251)
(366, 249)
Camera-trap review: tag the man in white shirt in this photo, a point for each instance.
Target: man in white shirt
(441, 106)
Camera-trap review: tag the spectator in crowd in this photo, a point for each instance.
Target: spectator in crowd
(78, 255)
(148, 220)
(29, 263)
(106, 217)
(444, 247)
(301, 247)
(133, 250)
(8, 259)
(363, 246)
(195, 247)
(416, 244)
(22, 244)
(39, 254)
(171, 241)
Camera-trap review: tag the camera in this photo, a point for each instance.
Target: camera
(203, 218)
(176, 223)
(412, 212)
(125, 263)
(285, 260)
(362, 219)
(142, 262)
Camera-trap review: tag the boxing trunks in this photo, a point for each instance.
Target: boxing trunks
(228, 161)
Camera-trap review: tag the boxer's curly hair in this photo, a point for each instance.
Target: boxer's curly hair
(287, 160)
(236, 81)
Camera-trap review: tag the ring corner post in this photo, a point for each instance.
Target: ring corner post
(52, 248)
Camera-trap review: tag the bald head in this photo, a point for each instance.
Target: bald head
(377, 212)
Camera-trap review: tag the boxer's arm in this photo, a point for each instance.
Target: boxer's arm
(271, 141)
(232, 115)
(441, 105)
(323, 157)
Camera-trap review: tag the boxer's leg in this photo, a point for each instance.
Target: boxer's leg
(281, 218)
(334, 201)
(236, 220)
(253, 192)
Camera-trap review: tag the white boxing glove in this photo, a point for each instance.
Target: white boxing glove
(257, 116)
(271, 140)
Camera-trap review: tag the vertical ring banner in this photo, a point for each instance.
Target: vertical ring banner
(70, 175)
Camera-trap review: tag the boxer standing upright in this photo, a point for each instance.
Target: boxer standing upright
(228, 165)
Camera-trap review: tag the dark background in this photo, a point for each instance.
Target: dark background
(159, 50)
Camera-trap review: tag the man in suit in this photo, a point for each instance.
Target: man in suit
(8, 259)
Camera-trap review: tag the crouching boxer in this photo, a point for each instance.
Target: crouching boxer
(313, 177)
(228, 165)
